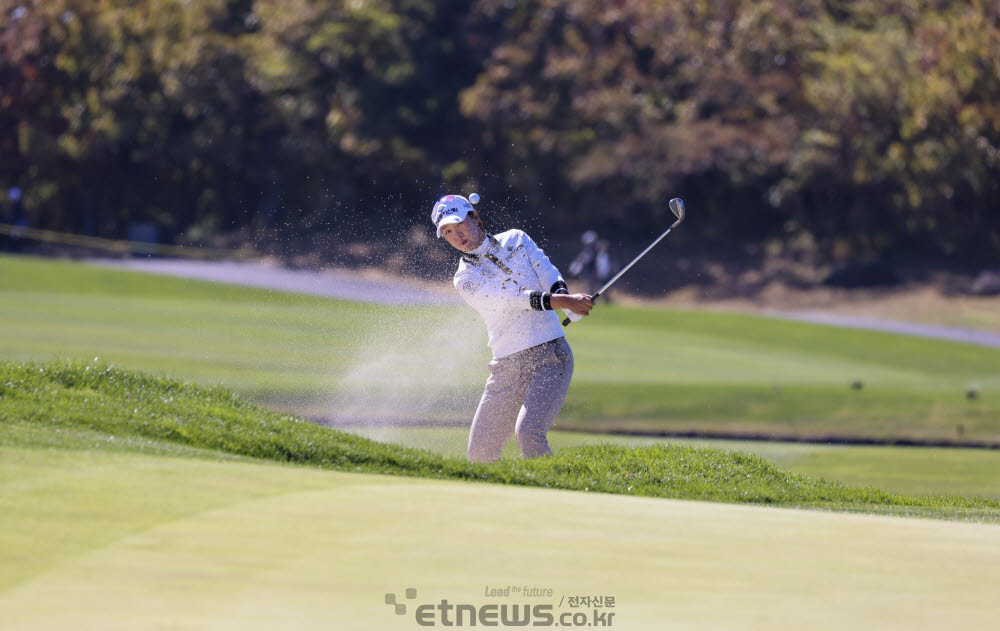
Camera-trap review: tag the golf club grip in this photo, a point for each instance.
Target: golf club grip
(593, 298)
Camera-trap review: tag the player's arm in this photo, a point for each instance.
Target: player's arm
(549, 276)
(487, 295)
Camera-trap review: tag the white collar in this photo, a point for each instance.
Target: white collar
(489, 243)
(483, 247)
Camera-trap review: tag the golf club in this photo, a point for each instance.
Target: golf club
(677, 207)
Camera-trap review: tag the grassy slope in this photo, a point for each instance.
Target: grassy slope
(173, 528)
(192, 543)
(638, 368)
(42, 403)
(905, 470)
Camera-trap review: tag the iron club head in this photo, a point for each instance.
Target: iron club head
(677, 207)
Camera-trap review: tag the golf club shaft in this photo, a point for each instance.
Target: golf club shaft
(567, 321)
(635, 260)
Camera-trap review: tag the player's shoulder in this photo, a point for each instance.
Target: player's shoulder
(465, 269)
(512, 237)
(467, 277)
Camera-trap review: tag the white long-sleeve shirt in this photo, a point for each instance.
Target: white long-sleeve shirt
(509, 281)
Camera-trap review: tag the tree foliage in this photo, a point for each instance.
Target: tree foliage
(902, 126)
(864, 126)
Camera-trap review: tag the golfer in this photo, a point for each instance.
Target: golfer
(515, 288)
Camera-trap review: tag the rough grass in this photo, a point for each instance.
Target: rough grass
(641, 369)
(90, 405)
(898, 469)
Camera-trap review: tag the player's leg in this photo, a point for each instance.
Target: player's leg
(498, 410)
(544, 397)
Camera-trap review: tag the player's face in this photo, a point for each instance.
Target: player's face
(465, 236)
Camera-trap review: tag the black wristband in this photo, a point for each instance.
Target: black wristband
(547, 301)
(536, 301)
(559, 287)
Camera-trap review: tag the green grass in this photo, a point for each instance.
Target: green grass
(718, 372)
(86, 404)
(636, 369)
(129, 500)
(97, 540)
(133, 501)
(904, 470)
(257, 341)
(643, 369)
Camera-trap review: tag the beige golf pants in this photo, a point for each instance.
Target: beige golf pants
(523, 395)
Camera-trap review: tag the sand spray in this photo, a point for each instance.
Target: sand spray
(411, 368)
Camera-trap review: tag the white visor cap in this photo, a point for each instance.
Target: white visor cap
(450, 209)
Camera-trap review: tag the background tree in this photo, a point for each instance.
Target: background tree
(902, 130)
(864, 128)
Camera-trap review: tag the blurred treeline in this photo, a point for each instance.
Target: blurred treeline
(857, 127)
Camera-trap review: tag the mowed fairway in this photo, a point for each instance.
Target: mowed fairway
(126, 504)
(104, 540)
(640, 369)
(635, 368)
